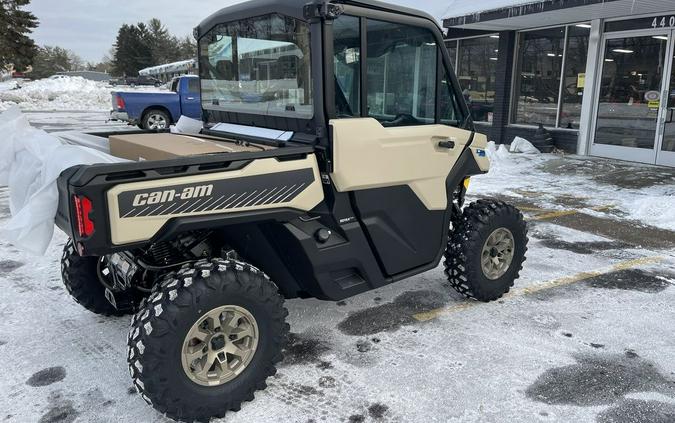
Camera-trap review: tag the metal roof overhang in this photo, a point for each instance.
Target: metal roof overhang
(555, 12)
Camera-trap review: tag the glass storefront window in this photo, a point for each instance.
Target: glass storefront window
(575, 76)
(538, 76)
(476, 71)
(632, 73)
(543, 92)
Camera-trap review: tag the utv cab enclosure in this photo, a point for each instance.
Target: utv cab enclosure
(352, 149)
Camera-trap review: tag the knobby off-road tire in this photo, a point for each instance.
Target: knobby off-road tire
(486, 250)
(164, 326)
(80, 276)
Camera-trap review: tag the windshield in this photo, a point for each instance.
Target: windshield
(258, 66)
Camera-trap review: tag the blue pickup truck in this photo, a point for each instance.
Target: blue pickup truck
(158, 110)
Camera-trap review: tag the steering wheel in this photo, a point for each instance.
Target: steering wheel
(401, 119)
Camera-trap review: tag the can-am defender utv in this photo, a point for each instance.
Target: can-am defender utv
(359, 152)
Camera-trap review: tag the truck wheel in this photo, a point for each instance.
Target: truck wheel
(207, 339)
(81, 277)
(486, 250)
(155, 119)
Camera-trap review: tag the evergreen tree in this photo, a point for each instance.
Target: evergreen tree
(162, 44)
(187, 48)
(16, 47)
(132, 50)
(143, 45)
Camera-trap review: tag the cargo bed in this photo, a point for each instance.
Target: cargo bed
(113, 207)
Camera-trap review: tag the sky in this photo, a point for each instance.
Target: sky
(89, 27)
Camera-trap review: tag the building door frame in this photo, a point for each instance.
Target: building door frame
(643, 155)
(666, 114)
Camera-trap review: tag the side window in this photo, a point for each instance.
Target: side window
(347, 62)
(174, 85)
(401, 74)
(450, 111)
(193, 85)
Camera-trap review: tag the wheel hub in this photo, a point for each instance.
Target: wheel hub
(220, 345)
(497, 253)
(156, 121)
(217, 342)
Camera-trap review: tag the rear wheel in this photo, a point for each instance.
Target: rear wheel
(207, 339)
(486, 250)
(82, 278)
(155, 119)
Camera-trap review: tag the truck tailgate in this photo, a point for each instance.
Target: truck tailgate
(112, 207)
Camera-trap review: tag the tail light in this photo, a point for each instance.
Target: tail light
(83, 207)
(120, 102)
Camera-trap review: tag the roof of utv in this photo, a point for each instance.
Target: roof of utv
(295, 9)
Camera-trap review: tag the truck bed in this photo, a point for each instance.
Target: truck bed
(113, 207)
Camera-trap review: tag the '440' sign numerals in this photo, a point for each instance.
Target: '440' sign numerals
(664, 22)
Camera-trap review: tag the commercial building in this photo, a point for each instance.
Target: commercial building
(597, 74)
(91, 75)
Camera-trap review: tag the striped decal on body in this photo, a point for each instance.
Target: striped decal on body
(216, 195)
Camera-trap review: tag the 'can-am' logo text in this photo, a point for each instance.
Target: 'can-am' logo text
(165, 196)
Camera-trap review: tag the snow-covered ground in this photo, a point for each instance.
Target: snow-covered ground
(515, 175)
(63, 94)
(585, 335)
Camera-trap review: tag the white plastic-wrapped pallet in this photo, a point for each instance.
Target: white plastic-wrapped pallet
(521, 145)
(30, 162)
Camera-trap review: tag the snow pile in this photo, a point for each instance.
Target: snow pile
(30, 162)
(74, 93)
(657, 209)
(8, 85)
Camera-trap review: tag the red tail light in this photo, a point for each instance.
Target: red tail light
(120, 103)
(83, 207)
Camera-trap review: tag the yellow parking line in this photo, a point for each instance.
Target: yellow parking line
(560, 213)
(566, 280)
(532, 209)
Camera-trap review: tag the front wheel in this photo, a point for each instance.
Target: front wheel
(486, 250)
(207, 339)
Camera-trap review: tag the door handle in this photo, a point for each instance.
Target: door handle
(446, 144)
(189, 98)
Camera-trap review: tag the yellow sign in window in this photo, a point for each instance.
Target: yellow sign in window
(581, 80)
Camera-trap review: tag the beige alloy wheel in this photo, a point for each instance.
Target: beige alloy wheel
(220, 345)
(497, 253)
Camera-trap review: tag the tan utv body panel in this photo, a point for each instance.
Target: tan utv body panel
(367, 155)
(129, 229)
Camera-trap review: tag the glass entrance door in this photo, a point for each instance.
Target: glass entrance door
(628, 120)
(635, 115)
(665, 153)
